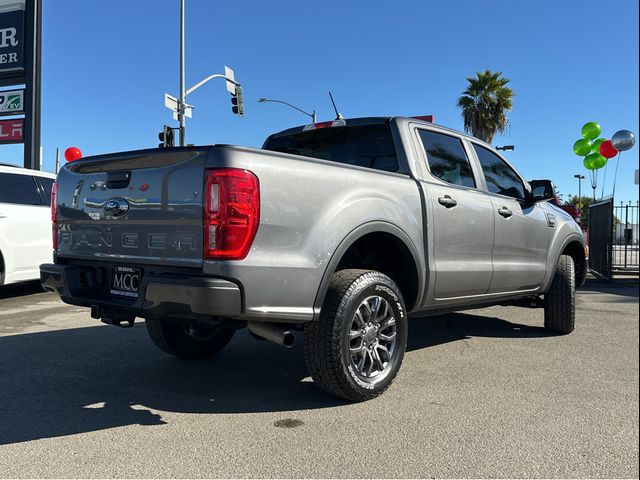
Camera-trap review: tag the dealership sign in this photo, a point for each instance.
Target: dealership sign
(12, 131)
(11, 102)
(12, 42)
(20, 76)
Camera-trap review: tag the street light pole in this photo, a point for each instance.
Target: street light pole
(181, 105)
(580, 178)
(210, 77)
(312, 114)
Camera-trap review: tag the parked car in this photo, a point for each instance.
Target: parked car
(341, 229)
(25, 223)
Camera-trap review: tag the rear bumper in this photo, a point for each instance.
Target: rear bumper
(159, 295)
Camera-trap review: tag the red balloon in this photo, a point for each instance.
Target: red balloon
(607, 150)
(72, 153)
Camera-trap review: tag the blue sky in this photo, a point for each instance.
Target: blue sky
(107, 64)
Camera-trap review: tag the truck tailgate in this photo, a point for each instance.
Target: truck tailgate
(135, 207)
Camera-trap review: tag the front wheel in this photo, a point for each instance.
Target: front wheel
(187, 341)
(560, 300)
(355, 349)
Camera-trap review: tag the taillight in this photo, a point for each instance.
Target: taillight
(338, 122)
(54, 209)
(231, 213)
(426, 118)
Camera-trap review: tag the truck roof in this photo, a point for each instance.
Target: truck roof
(377, 120)
(16, 169)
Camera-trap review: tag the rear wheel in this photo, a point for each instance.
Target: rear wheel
(187, 341)
(560, 300)
(355, 349)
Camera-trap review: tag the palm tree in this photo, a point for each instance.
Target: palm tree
(485, 104)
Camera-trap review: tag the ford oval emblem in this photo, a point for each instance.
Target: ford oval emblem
(116, 207)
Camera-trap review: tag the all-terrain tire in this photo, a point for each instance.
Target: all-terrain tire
(560, 300)
(184, 341)
(328, 341)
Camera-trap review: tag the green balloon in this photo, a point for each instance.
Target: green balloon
(587, 164)
(582, 147)
(595, 145)
(591, 130)
(594, 161)
(599, 161)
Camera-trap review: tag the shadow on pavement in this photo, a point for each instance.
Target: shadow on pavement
(431, 331)
(20, 289)
(79, 380)
(623, 287)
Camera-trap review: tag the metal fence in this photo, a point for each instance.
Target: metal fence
(601, 237)
(625, 255)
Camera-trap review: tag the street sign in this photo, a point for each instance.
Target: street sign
(12, 131)
(187, 113)
(636, 176)
(11, 102)
(172, 102)
(231, 87)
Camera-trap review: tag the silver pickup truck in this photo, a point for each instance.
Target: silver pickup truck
(340, 229)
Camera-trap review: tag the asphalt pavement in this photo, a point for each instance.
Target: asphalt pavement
(484, 393)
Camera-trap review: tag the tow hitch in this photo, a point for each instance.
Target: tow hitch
(110, 317)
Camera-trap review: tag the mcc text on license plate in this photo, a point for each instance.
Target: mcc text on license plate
(125, 281)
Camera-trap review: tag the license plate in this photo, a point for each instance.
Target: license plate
(125, 281)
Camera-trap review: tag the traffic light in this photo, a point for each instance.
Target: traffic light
(237, 106)
(166, 137)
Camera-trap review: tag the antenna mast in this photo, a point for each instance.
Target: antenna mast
(338, 114)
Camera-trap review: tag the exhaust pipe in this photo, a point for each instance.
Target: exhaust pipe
(272, 333)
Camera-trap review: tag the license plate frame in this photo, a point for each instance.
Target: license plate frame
(125, 281)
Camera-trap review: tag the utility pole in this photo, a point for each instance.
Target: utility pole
(181, 105)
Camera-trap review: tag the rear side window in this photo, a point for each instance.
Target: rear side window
(369, 146)
(18, 189)
(47, 184)
(447, 158)
(500, 177)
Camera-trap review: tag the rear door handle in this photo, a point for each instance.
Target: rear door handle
(505, 212)
(447, 201)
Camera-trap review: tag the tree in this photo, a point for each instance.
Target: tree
(485, 104)
(559, 195)
(583, 203)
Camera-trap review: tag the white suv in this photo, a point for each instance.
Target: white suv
(25, 223)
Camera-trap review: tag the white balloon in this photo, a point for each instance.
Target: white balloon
(623, 140)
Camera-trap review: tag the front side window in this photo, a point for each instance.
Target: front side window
(447, 158)
(500, 177)
(18, 189)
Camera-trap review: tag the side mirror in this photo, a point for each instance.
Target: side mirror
(542, 190)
